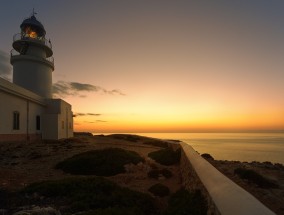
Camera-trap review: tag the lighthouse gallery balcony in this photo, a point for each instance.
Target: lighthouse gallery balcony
(19, 42)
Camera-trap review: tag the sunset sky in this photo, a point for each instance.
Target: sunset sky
(162, 65)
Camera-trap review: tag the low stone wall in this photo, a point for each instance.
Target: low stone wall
(223, 195)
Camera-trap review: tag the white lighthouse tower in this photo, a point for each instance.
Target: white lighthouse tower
(27, 108)
(32, 58)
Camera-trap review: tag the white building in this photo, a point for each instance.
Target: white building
(27, 109)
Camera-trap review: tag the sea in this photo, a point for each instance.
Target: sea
(248, 147)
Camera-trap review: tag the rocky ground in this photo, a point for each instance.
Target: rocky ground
(24, 163)
(273, 198)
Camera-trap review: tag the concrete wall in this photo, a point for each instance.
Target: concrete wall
(39, 73)
(56, 117)
(58, 120)
(28, 110)
(224, 196)
(50, 127)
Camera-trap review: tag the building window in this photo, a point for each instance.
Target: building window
(62, 124)
(38, 122)
(16, 120)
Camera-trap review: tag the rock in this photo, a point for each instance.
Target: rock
(3, 212)
(39, 211)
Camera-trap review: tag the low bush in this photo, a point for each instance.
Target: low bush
(114, 211)
(185, 202)
(158, 143)
(155, 173)
(97, 195)
(83, 134)
(166, 173)
(166, 156)
(159, 190)
(106, 162)
(127, 137)
(207, 156)
(255, 178)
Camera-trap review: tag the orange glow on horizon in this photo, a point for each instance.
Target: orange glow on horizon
(162, 123)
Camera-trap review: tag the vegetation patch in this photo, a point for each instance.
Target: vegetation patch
(155, 173)
(157, 143)
(114, 211)
(166, 156)
(83, 134)
(159, 190)
(255, 178)
(207, 156)
(106, 162)
(95, 195)
(185, 202)
(127, 137)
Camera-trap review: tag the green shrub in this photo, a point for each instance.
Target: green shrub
(85, 194)
(159, 190)
(155, 173)
(185, 202)
(207, 156)
(114, 211)
(106, 162)
(158, 143)
(255, 178)
(166, 156)
(166, 173)
(127, 137)
(83, 134)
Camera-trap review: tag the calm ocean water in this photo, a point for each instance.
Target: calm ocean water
(233, 146)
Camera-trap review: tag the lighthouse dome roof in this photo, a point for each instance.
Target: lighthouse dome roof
(33, 22)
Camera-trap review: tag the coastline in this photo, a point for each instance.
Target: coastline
(244, 147)
(25, 163)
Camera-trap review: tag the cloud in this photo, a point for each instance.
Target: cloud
(63, 89)
(86, 114)
(101, 121)
(5, 67)
(90, 114)
(97, 121)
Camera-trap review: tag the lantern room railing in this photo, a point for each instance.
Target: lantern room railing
(13, 52)
(42, 40)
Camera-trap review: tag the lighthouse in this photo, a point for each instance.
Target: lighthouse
(27, 111)
(32, 59)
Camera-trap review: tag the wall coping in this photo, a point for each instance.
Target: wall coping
(229, 198)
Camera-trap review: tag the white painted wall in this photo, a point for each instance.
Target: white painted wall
(52, 112)
(59, 115)
(27, 109)
(32, 75)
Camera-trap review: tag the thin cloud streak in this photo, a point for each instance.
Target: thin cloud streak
(86, 114)
(97, 121)
(63, 89)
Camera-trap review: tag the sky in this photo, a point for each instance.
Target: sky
(163, 65)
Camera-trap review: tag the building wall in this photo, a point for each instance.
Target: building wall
(56, 117)
(27, 110)
(50, 126)
(65, 121)
(58, 120)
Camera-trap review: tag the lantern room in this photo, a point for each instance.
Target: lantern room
(32, 28)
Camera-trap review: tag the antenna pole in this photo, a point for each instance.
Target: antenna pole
(34, 13)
